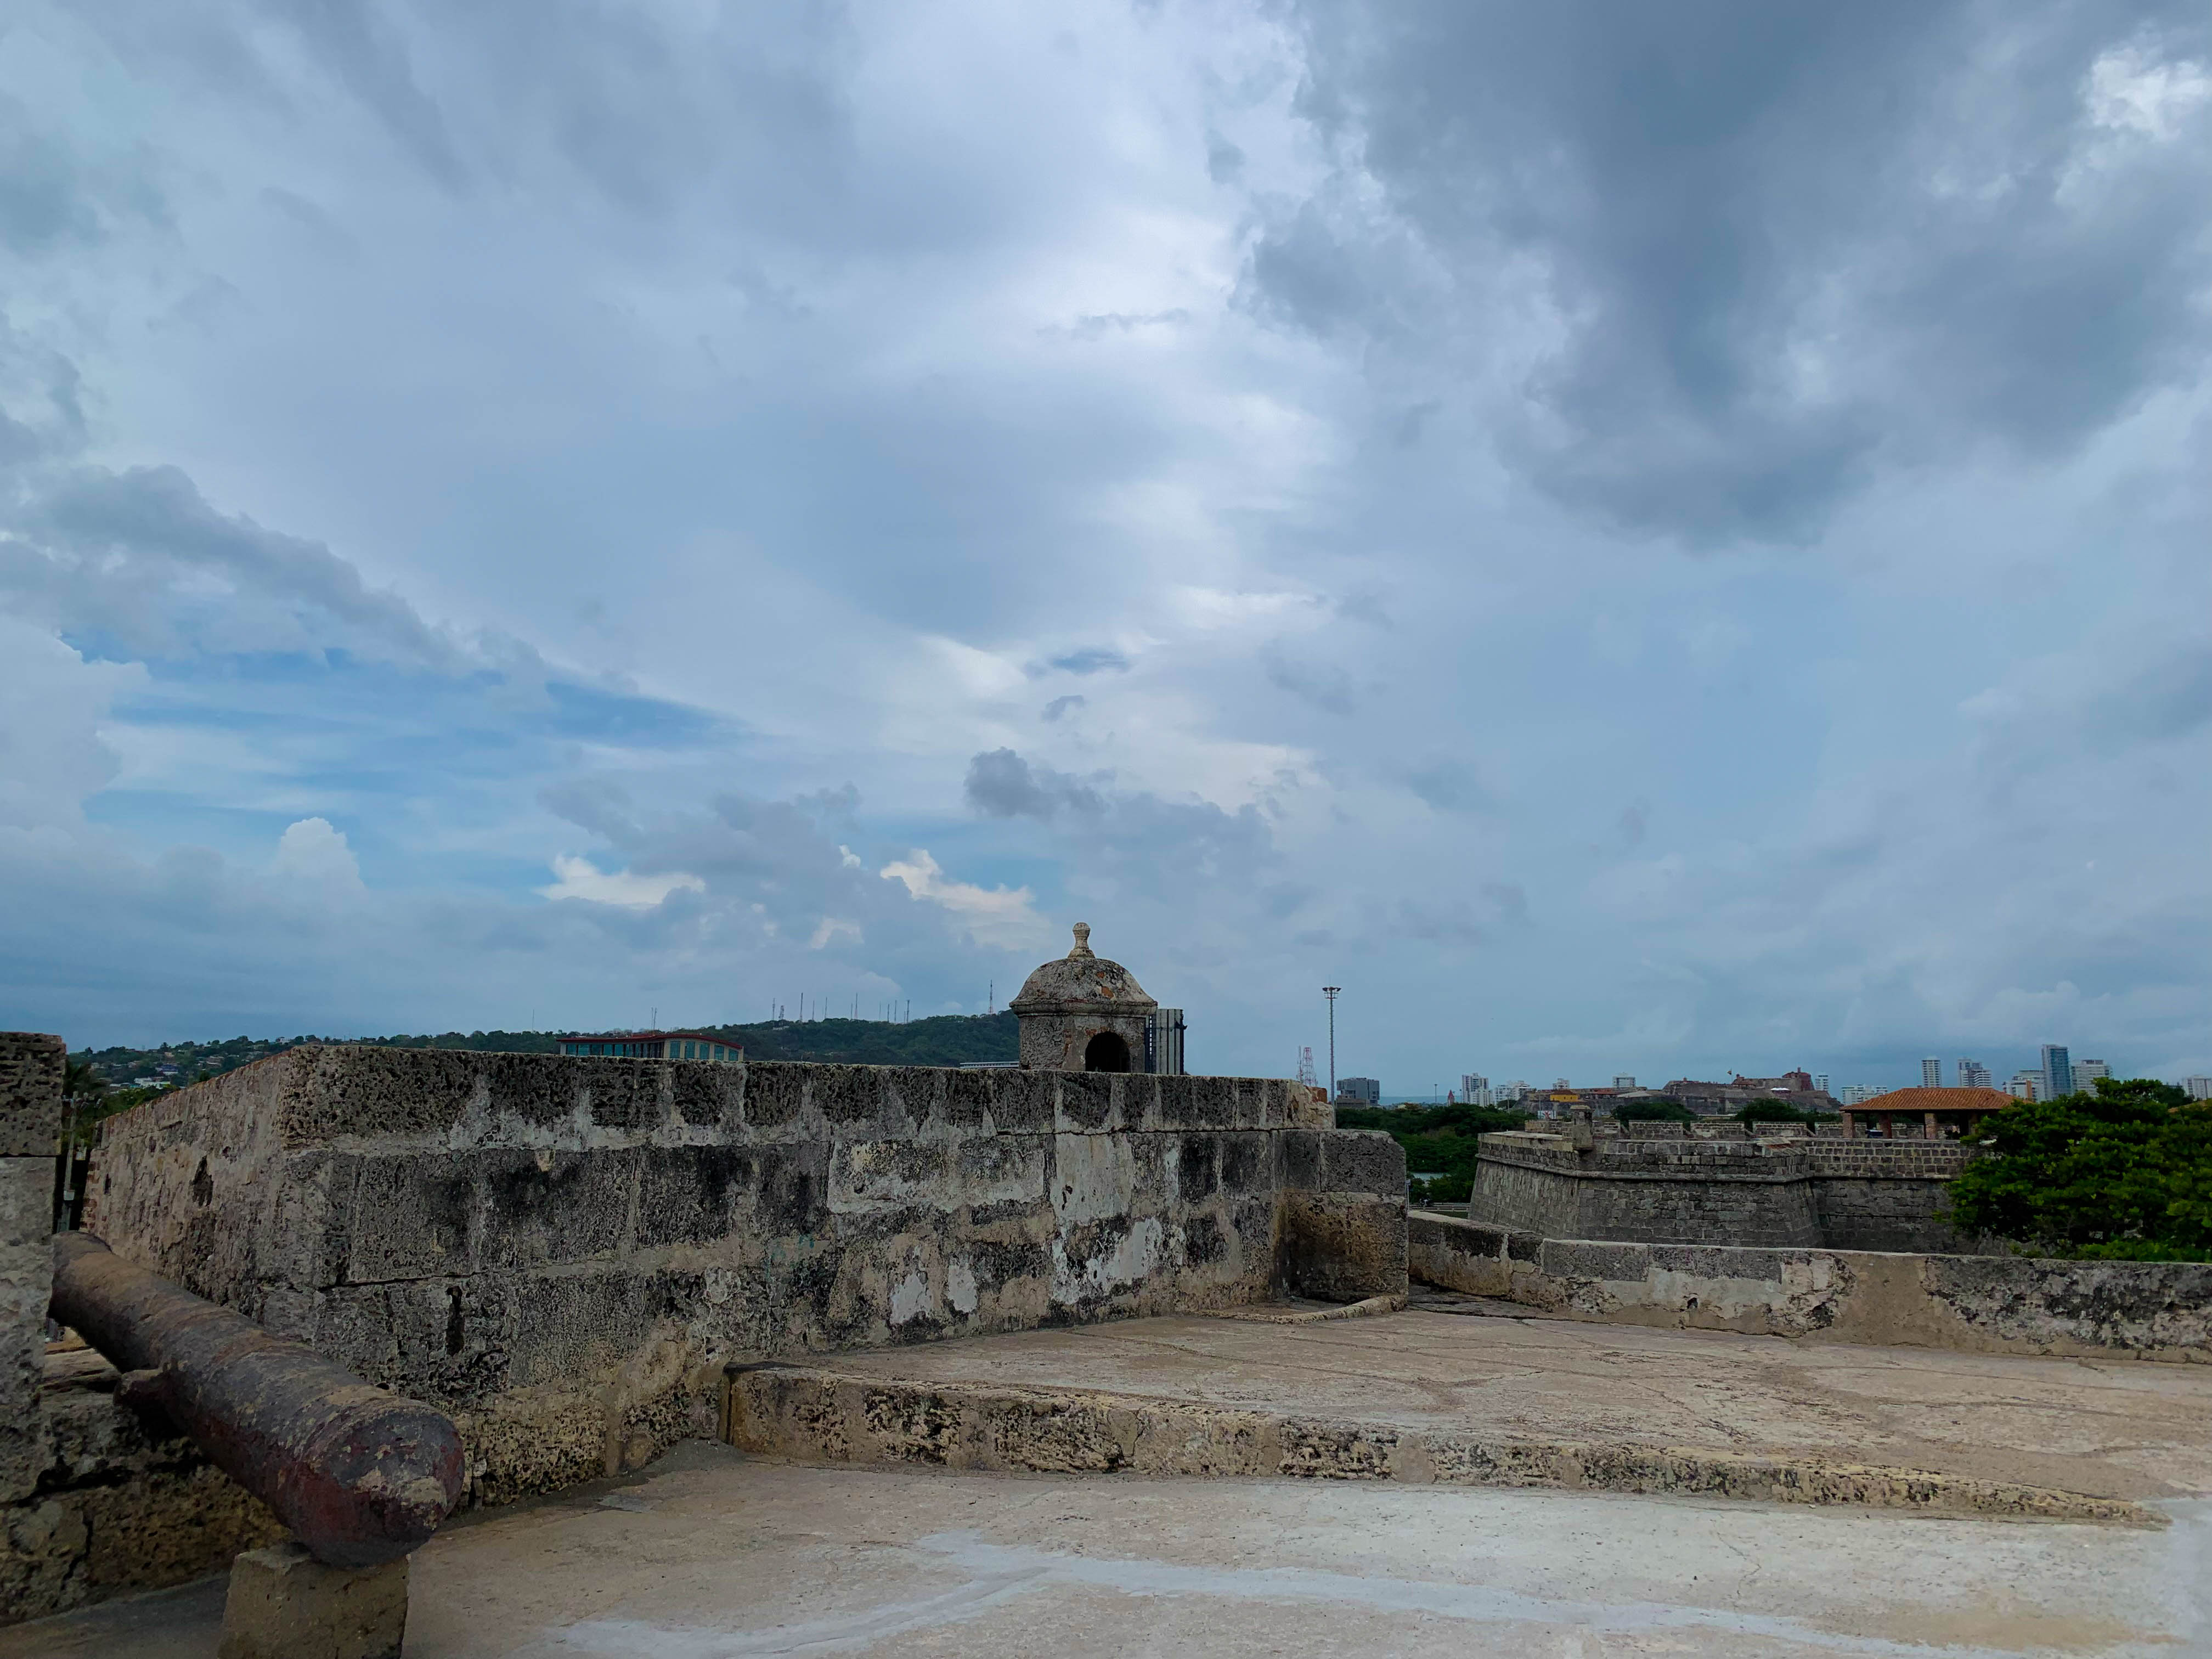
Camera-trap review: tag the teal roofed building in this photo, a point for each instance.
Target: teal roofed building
(653, 1045)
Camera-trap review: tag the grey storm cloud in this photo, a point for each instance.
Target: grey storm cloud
(1361, 446)
(96, 543)
(1091, 660)
(1449, 786)
(1002, 784)
(1778, 246)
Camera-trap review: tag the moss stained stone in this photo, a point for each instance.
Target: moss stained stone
(559, 1241)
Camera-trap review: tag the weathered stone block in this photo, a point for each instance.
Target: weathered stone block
(707, 1095)
(1021, 1102)
(409, 1217)
(1363, 1161)
(693, 1194)
(284, 1604)
(31, 1067)
(1086, 1103)
(1581, 1259)
(868, 1176)
(1246, 1162)
(1342, 1247)
(27, 1197)
(775, 1094)
(1198, 1175)
(1299, 1159)
(532, 1208)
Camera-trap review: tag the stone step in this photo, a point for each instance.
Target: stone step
(819, 1414)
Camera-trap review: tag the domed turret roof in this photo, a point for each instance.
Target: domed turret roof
(1081, 978)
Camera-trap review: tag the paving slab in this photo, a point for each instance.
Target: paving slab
(2116, 1429)
(714, 1555)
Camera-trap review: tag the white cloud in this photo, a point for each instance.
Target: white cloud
(831, 929)
(580, 879)
(1915, 732)
(53, 703)
(312, 850)
(1001, 916)
(2129, 89)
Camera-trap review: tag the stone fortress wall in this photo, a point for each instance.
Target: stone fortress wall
(2160, 1310)
(564, 1253)
(95, 1500)
(1641, 1186)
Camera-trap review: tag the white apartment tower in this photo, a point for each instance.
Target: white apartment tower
(1931, 1073)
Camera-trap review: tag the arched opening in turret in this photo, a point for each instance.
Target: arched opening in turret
(1106, 1053)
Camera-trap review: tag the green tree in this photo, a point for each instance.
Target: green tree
(2123, 1174)
(1441, 1140)
(82, 1084)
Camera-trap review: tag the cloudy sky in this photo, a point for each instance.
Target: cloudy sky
(1645, 538)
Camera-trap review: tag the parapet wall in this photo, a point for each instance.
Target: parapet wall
(1795, 1190)
(1983, 1304)
(95, 1499)
(564, 1252)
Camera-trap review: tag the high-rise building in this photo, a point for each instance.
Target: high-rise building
(1931, 1073)
(2085, 1073)
(1622, 1080)
(1972, 1075)
(2057, 1078)
(2198, 1088)
(1821, 1081)
(1857, 1094)
(1475, 1089)
(2027, 1085)
(1359, 1090)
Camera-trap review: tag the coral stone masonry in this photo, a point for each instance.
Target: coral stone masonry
(1783, 1189)
(1082, 1013)
(564, 1252)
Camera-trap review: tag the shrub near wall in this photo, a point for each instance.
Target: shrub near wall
(2122, 1175)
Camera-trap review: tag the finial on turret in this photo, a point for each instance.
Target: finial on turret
(1082, 942)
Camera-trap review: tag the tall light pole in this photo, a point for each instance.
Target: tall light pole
(1330, 991)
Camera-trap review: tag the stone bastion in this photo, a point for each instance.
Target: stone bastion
(567, 1253)
(1782, 1190)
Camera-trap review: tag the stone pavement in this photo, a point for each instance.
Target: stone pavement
(711, 1555)
(2116, 1429)
(712, 1552)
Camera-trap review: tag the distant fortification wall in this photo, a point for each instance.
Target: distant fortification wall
(565, 1252)
(1982, 1303)
(1784, 1191)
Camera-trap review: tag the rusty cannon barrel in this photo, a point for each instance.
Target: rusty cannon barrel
(361, 1475)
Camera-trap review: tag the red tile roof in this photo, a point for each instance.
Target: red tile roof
(1938, 1100)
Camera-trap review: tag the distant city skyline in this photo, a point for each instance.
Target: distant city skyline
(2054, 1071)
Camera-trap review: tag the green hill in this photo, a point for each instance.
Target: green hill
(944, 1040)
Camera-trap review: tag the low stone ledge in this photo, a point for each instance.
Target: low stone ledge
(2153, 1310)
(1394, 1303)
(813, 1415)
